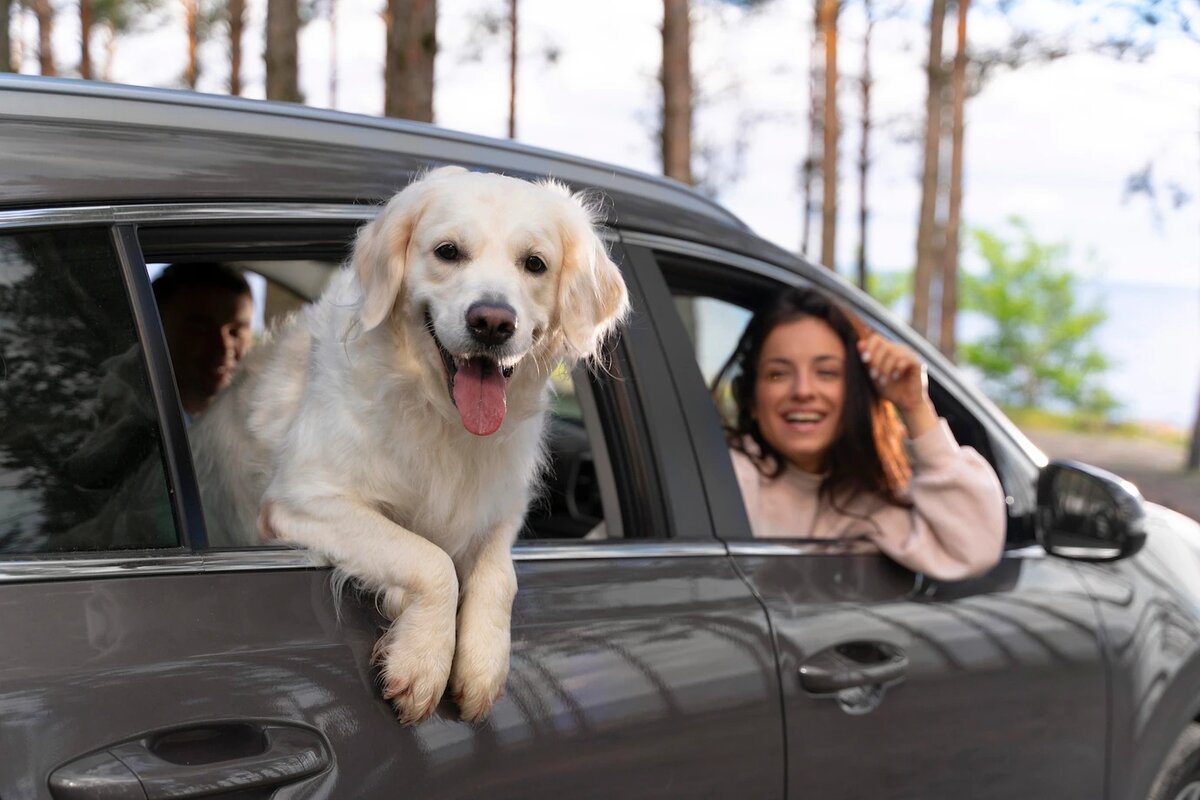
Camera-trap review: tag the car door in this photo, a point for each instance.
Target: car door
(137, 658)
(894, 684)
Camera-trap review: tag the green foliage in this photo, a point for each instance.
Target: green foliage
(889, 288)
(1041, 347)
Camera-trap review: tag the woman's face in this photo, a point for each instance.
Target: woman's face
(799, 395)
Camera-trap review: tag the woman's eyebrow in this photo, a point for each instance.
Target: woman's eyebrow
(829, 357)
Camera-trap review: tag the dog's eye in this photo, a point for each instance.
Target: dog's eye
(446, 251)
(535, 264)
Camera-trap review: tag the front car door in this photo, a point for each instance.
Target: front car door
(991, 688)
(642, 665)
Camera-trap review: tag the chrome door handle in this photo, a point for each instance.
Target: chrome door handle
(852, 665)
(194, 761)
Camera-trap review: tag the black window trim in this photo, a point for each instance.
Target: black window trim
(181, 474)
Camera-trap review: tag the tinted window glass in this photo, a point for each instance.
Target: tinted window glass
(80, 464)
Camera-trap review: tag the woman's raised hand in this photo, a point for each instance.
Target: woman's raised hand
(900, 377)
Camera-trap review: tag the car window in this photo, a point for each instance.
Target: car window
(80, 457)
(576, 497)
(715, 313)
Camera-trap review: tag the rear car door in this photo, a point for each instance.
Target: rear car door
(138, 657)
(993, 687)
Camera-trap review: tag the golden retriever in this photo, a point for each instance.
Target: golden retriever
(395, 426)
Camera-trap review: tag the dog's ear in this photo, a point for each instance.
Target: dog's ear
(592, 299)
(382, 246)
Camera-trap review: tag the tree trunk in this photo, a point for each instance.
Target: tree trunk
(947, 341)
(927, 245)
(408, 69)
(191, 15)
(865, 82)
(512, 69)
(45, 19)
(677, 91)
(237, 25)
(6, 55)
(110, 51)
(333, 55)
(283, 29)
(815, 101)
(86, 21)
(829, 150)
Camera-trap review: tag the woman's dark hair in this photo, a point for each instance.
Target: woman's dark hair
(867, 453)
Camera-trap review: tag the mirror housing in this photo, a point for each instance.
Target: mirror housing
(1088, 514)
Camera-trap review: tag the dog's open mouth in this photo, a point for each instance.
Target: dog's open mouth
(477, 384)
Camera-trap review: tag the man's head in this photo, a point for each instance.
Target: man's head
(207, 311)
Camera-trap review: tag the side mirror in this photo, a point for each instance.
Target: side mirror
(1088, 514)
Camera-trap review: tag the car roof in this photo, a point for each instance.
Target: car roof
(70, 142)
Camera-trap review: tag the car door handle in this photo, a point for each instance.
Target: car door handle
(194, 761)
(852, 665)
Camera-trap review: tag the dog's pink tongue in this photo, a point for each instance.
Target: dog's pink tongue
(479, 396)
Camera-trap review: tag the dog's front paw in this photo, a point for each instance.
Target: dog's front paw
(415, 669)
(480, 671)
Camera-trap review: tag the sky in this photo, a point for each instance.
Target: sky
(1052, 143)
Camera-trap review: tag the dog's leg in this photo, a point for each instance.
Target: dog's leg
(417, 578)
(489, 584)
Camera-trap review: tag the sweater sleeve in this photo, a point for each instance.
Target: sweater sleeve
(957, 524)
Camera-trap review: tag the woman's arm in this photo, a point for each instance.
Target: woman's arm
(959, 516)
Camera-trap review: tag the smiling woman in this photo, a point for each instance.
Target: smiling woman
(822, 407)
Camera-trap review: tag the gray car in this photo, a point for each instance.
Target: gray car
(659, 650)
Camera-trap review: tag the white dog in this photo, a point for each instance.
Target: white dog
(395, 427)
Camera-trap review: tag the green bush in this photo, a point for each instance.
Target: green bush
(1041, 347)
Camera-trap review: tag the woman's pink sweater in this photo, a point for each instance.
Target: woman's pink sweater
(954, 530)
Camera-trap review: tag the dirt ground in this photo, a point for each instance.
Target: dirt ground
(1154, 466)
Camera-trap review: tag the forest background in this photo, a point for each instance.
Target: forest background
(1020, 179)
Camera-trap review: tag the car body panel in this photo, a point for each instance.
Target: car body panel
(1150, 611)
(1004, 692)
(610, 657)
(76, 142)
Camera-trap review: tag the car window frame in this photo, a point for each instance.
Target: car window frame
(188, 525)
(629, 417)
(1007, 442)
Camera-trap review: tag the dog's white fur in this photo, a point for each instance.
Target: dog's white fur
(340, 434)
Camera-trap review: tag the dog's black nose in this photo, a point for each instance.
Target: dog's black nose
(491, 323)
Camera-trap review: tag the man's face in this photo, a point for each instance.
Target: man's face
(208, 331)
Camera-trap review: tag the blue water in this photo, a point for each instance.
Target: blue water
(1153, 337)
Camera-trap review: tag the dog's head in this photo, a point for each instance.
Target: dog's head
(490, 275)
